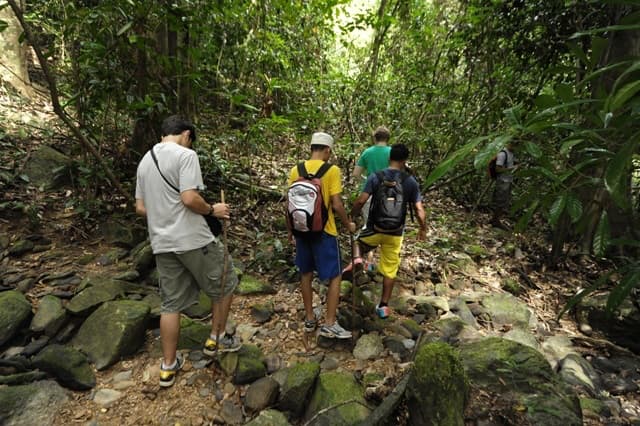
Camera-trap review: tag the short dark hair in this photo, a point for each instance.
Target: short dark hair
(318, 147)
(381, 134)
(175, 125)
(399, 152)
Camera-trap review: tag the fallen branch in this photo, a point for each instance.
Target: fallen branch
(333, 407)
(55, 101)
(270, 194)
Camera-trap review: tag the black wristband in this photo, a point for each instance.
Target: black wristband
(210, 209)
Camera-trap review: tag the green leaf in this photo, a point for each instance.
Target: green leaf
(542, 171)
(635, 66)
(514, 115)
(622, 96)
(557, 208)
(483, 157)
(615, 177)
(578, 52)
(533, 149)
(545, 101)
(456, 157)
(574, 208)
(524, 220)
(124, 29)
(622, 290)
(606, 30)
(602, 238)
(3, 25)
(598, 45)
(582, 293)
(568, 144)
(564, 92)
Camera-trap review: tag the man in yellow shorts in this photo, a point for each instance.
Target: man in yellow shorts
(392, 192)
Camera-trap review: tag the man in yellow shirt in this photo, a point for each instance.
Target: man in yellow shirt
(321, 252)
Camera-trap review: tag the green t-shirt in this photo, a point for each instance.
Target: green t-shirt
(373, 159)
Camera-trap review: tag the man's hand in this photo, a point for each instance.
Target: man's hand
(422, 234)
(221, 210)
(351, 227)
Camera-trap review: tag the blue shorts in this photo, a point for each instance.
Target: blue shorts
(319, 254)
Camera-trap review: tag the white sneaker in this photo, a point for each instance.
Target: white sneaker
(334, 331)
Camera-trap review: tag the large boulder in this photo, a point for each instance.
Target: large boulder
(521, 378)
(505, 309)
(32, 404)
(438, 388)
(15, 312)
(269, 418)
(68, 365)
(98, 292)
(122, 232)
(202, 309)
(334, 389)
(192, 334)
(297, 385)
(40, 164)
(49, 317)
(369, 346)
(261, 394)
(143, 259)
(114, 330)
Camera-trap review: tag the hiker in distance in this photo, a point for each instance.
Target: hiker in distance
(392, 191)
(372, 160)
(188, 256)
(501, 201)
(313, 200)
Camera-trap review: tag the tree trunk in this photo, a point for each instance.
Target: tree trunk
(13, 52)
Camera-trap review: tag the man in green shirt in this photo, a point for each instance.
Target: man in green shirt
(372, 160)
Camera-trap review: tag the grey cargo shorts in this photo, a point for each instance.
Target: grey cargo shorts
(183, 275)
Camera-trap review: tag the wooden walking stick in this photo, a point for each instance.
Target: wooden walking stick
(225, 267)
(353, 289)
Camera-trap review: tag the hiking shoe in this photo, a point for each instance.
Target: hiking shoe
(310, 325)
(334, 331)
(168, 376)
(358, 264)
(383, 311)
(225, 343)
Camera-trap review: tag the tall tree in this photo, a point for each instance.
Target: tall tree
(13, 51)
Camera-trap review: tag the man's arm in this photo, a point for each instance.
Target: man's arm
(422, 220)
(358, 203)
(140, 208)
(338, 209)
(357, 172)
(192, 199)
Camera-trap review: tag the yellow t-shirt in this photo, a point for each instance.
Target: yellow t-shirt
(331, 185)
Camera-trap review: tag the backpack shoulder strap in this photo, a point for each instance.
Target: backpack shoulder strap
(322, 170)
(302, 170)
(155, 160)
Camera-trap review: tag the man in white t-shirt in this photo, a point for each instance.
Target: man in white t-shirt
(505, 166)
(188, 256)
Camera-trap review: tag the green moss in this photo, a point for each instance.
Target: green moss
(345, 288)
(475, 250)
(594, 406)
(512, 286)
(252, 285)
(332, 389)
(192, 334)
(299, 381)
(413, 327)
(249, 370)
(371, 378)
(229, 363)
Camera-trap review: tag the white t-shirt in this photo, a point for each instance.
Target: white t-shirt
(172, 226)
(506, 159)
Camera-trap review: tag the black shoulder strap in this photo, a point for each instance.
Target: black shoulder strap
(155, 160)
(322, 170)
(302, 170)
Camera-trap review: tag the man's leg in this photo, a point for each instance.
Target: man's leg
(387, 289)
(169, 333)
(333, 296)
(220, 313)
(307, 295)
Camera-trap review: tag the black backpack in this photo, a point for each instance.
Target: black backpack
(388, 205)
(493, 173)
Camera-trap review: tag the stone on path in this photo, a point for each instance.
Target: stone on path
(269, 418)
(15, 312)
(297, 386)
(49, 317)
(368, 346)
(68, 365)
(261, 394)
(92, 296)
(333, 389)
(114, 330)
(107, 397)
(505, 309)
(33, 404)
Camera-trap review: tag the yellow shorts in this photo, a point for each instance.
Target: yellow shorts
(389, 252)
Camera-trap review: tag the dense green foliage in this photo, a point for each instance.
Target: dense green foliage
(455, 80)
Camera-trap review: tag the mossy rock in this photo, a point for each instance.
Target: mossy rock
(33, 404)
(95, 294)
(21, 247)
(251, 365)
(68, 365)
(269, 418)
(229, 363)
(192, 334)
(252, 285)
(143, 259)
(371, 378)
(413, 328)
(40, 164)
(345, 288)
(438, 389)
(594, 407)
(505, 309)
(15, 312)
(331, 390)
(49, 317)
(202, 309)
(476, 250)
(520, 374)
(297, 386)
(114, 330)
